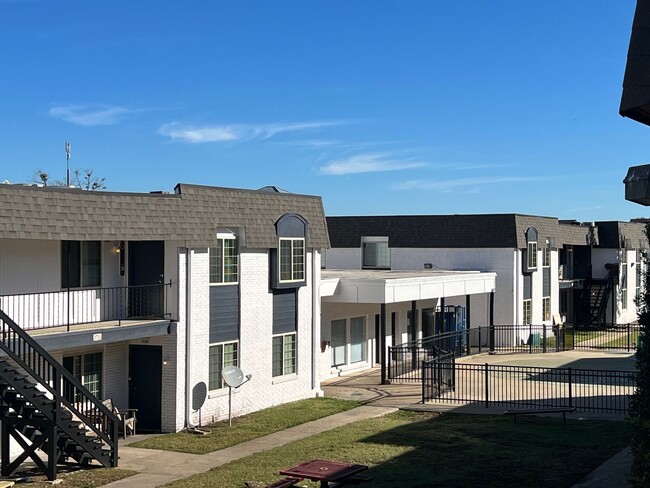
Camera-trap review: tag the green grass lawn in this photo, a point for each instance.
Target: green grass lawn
(622, 342)
(586, 335)
(247, 427)
(424, 450)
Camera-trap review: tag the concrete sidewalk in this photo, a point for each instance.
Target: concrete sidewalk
(159, 467)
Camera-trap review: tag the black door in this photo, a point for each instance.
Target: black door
(145, 386)
(146, 268)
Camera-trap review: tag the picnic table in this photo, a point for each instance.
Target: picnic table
(337, 472)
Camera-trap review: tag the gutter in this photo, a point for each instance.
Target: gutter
(188, 342)
(315, 325)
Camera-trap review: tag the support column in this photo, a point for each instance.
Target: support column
(492, 334)
(382, 338)
(414, 320)
(467, 323)
(444, 318)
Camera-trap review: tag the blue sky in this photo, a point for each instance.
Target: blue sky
(381, 107)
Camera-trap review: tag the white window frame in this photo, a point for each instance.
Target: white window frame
(531, 258)
(374, 240)
(346, 341)
(546, 308)
(82, 274)
(217, 383)
(79, 371)
(294, 366)
(296, 276)
(347, 332)
(546, 255)
(212, 253)
(528, 312)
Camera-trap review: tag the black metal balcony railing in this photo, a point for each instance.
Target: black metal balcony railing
(85, 306)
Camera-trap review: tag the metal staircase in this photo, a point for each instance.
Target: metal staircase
(43, 406)
(597, 293)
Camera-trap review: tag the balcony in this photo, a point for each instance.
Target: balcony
(574, 272)
(66, 308)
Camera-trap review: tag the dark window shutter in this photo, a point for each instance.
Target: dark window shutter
(70, 264)
(224, 313)
(547, 282)
(284, 311)
(528, 287)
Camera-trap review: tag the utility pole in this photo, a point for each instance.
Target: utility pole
(67, 163)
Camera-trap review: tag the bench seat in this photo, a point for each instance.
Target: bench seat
(284, 482)
(541, 410)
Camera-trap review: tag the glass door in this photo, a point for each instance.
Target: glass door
(357, 339)
(338, 342)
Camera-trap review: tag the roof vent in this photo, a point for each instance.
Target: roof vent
(273, 189)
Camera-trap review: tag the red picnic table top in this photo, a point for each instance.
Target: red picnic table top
(324, 471)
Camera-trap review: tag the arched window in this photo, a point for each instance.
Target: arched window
(289, 261)
(531, 248)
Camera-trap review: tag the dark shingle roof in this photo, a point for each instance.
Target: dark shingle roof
(191, 215)
(615, 235)
(453, 231)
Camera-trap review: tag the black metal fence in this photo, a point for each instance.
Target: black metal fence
(405, 360)
(529, 339)
(438, 376)
(87, 305)
(614, 336)
(529, 387)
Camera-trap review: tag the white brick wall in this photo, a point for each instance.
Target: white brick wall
(255, 346)
(343, 258)
(601, 257)
(181, 334)
(499, 261)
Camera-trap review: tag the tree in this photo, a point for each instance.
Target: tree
(640, 407)
(40, 176)
(80, 178)
(86, 180)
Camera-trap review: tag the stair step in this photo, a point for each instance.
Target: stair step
(32, 410)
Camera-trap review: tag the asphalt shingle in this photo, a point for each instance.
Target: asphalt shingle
(190, 215)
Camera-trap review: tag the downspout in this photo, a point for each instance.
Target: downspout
(315, 322)
(188, 342)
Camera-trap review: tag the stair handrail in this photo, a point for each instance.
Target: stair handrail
(42, 366)
(602, 307)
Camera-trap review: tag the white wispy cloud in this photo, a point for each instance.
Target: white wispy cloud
(369, 163)
(88, 115)
(449, 185)
(235, 132)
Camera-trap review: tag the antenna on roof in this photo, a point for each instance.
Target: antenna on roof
(67, 163)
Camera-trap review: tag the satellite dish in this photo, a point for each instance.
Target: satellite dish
(199, 394)
(233, 376)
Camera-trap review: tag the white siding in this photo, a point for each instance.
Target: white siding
(28, 266)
